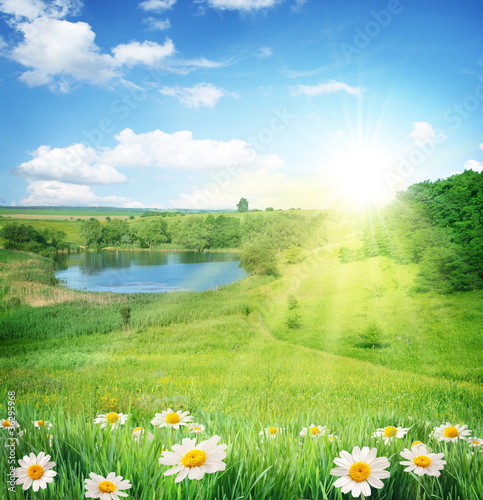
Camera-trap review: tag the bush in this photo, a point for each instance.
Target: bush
(259, 258)
(295, 254)
(292, 302)
(371, 337)
(294, 321)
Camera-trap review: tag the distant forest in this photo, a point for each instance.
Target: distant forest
(438, 225)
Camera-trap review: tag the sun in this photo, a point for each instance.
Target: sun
(359, 176)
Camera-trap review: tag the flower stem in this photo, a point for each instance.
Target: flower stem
(199, 490)
(418, 491)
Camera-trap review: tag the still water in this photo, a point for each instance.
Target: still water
(145, 271)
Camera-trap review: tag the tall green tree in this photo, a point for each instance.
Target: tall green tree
(242, 205)
(153, 231)
(91, 232)
(192, 232)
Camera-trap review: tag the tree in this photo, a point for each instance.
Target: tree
(259, 258)
(153, 231)
(269, 209)
(91, 232)
(114, 231)
(191, 232)
(242, 205)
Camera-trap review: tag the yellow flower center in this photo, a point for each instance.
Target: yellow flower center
(272, 430)
(137, 429)
(107, 486)
(416, 442)
(390, 431)
(314, 431)
(40, 422)
(112, 417)
(172, 418)
(359, 472)
(422, 461)
(35, 471)
(6, 423)
(197, 428)
(451, 432)
(194, 458)
(476, 443)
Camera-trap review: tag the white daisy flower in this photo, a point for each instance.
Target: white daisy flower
(192, 460)
(112, 419)
(313, 431)
(8, 424)
(106, 488)
(196, 428)
(170, 418)
(35, 471)
(448, 432)
(360, 470)
(332, 437)
(419, 461)
(271, 431)
(390, 433)
(42, 423)
(475, 442)
(138, 434)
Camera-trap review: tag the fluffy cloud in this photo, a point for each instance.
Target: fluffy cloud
(58, 51)
(201, 95)
(157, 5)
(55, 193)
(146, 53)
(157, 24)
(74, 164)
(328, 87)
(31, 9)
(180, 150)
(422, 133)
(477, 166)
(242, 5)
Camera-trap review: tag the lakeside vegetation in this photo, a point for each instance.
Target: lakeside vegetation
(334, 336)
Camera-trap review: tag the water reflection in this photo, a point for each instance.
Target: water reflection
(147, 271)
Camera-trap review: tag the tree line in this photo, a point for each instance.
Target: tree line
(438, 225)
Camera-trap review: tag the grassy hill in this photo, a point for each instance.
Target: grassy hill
(262, 352)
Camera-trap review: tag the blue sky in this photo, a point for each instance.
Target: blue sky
(195, 104)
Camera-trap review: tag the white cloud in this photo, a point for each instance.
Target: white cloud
(263, 188)
(200, 95)
(147, 53)
(55, 193)
(157, 5)
(242, 5)
(181, 151)
(59, 51)
(157, 24)
(328, 87)
(264, 52)
(74, 164)
(422, 133)
(477, 166)
(298, 4)
(31, 9)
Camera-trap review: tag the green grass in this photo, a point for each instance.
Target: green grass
(229, 358)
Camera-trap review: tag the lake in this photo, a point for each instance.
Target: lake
(147, 271)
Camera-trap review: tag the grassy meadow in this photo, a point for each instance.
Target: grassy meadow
(348, 346)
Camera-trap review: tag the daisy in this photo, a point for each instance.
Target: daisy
(271, 431)
(113, 419)
(8, 424)
(138, 434)
(106, 488)
(170, 418)
(193, 461)
(42, 423)
(196, 428)
(359, 471)
(475, 442)
(332, 437)
(35, 471)
(313, 431)
(390, 433)
(448, 432)
(419, 461)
